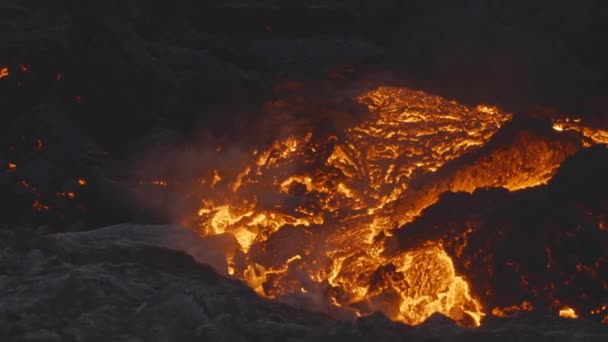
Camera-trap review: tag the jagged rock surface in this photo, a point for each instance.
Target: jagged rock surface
(136, 283)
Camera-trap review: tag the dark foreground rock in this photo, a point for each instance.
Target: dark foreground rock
(138, 283)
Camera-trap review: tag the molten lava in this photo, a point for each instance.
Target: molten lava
(510, 310)
(311, 214)
(567, 312)
(593, 135)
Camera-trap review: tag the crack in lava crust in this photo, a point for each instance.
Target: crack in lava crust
(311, 214)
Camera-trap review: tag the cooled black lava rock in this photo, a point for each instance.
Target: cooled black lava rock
(546, 245)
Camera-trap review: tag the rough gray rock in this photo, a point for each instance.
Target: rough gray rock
(137, 283)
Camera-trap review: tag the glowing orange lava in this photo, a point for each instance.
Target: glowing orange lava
(311, 214)
(508, 311)
(3, 72)
(567, 312)
(594, 135)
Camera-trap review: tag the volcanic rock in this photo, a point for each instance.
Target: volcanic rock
(137, 283)
(512, 244)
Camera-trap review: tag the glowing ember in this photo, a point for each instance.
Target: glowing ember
(12, 166)
(567, 312)
(599, 310)
(510, 310)
(311, 214)
(69, 195)
(157, 182)
(3, 72)
(82, 181)
(24, 68)
(38, 206)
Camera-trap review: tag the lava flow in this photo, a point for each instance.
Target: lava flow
(311, 215)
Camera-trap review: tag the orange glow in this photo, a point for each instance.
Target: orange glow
(510, 310)
(322, 207)
(409, 133)
(24, 68)
(602, 310)
(69, 195)
(3, 72)
(599, 310)
(567, 312)
(82, 181)
(12, 166)
(39, 206)
(595, 135)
